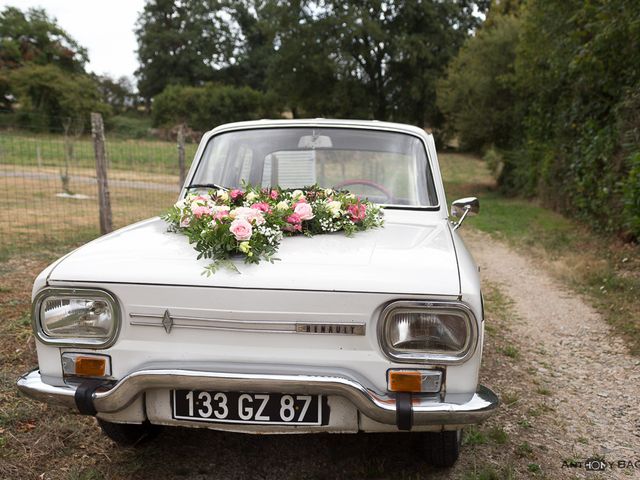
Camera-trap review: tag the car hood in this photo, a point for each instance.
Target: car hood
(412, 254)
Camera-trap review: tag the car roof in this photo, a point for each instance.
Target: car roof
(321, 122)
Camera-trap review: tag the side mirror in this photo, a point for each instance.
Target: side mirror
(462, 207)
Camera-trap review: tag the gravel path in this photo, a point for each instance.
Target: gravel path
(593, 383)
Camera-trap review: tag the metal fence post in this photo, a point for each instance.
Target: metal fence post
(181, 154)
(97, 133)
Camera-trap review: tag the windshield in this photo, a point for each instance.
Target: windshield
(387, 168)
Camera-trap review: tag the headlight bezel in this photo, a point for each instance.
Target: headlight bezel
(443, 307)
(80, 292)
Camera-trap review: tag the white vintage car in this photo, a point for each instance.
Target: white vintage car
(378, 332)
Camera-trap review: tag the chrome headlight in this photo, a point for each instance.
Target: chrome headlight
(76, 317)
(428, 332)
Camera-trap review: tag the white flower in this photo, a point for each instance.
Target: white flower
(283, 205)
(334, 208)
(328, 191)
(223, 195)
(296, 194)
(251, 196)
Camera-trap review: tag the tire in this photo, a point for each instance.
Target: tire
(129, 434)
(443, 448)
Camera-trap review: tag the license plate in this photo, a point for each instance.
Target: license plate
(254, 408)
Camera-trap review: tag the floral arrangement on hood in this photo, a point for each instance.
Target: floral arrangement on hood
(252, 221)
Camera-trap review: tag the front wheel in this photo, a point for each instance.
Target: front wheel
(128, 434)
(442, 448)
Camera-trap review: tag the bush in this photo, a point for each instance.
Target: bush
(203, 108)
(557, 92)
(129, 126)
(47, 93)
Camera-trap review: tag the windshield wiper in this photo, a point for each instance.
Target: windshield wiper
(207, 185)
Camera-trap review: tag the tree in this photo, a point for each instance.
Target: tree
(384, 55)
(304, 71)
(253, 25)
(427, 36)
(180, 42)
(33, 37)
(478, 96)
(52, 95)
(118, 93)
(558, 89)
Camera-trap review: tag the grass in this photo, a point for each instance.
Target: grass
(48, 150)
(509, 398)
(143, 182)
(510, 351)
(543, 391)
(498, 435)
(603, 268)
(524, 449)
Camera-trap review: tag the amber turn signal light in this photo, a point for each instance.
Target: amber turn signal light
(86, 365)
(414, 381)
(90, 367)
(405, 381)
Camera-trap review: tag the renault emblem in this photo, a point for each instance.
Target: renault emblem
(167, 321)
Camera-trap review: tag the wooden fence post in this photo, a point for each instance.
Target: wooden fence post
(181, 154)
(97, 132)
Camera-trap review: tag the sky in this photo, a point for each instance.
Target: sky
(103, 27)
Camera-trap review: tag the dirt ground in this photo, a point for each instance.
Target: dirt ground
(569, 391)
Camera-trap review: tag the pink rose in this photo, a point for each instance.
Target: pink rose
(221, 212)
(273, 194)
(295, 223)
(199, 211)
(241, 229)
(235, 193)
(262, 206)
(294, 218)
(257, 218)
(357, 212)
(303, 210)
(249, 214)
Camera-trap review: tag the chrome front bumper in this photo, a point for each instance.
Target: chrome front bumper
(456, 409)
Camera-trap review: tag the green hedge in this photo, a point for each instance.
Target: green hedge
(203, 108)
(574, 91)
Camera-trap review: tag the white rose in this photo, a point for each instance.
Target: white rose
(334, 208)
(222, 195)
(297, 194)
(221, 208)
(251, 196)
(282, 205)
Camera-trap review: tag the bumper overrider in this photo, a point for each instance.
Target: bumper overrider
(403, 410)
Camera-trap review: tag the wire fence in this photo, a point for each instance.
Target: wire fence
(48, 183)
